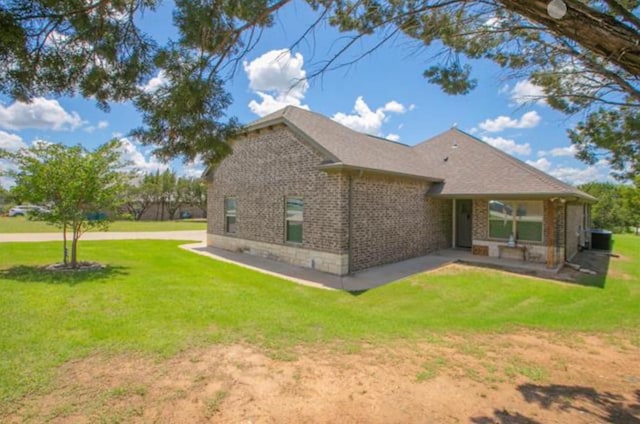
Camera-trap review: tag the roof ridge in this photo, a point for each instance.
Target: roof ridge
(386, 139)
(329, 119)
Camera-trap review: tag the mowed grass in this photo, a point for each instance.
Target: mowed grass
(156, 299)
(21, 224)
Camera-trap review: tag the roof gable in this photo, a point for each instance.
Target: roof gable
(471, 166)
(346, 147)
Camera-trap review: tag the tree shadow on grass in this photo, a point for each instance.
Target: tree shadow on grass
(37, 274)
(587, 401)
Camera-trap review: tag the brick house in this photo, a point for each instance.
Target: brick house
(303, 189)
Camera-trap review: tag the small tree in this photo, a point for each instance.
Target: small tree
(139, 196)
(198, 194)
(72, 182)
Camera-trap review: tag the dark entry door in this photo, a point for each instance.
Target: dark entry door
(464, 213)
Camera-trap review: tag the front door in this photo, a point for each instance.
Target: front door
(464, 212)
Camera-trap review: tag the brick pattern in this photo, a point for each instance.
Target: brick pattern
(480, 219)
(333, 263)
(392, 220)
(266, 167)
(480, 250)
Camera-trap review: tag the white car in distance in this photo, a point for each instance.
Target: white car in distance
(24, 210)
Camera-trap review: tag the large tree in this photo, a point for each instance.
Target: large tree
(610, 211)
(72, 183)
(585, 58)
(631, 203)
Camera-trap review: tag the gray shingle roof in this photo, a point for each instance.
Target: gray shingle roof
(347, 147)
(461, 165)
(472, 167)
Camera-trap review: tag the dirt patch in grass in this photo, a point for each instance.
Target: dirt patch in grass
(522, 377)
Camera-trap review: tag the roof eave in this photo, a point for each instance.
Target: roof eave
(345, 167)
(520, 196)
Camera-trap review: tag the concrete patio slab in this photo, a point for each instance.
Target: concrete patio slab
(360, 281)
(526, 267)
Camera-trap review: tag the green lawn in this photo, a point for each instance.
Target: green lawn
(157, 299)
(22, 225)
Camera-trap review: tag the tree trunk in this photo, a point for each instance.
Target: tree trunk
(65, 259)
(595, 31)
(74, 246)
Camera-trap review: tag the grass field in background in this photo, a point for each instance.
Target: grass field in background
(20, 224)
(157, 299)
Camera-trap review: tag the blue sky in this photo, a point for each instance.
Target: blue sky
(383, 94)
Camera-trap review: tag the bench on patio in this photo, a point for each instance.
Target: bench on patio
(521, 250)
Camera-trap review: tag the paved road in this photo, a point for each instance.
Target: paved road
(199, 235)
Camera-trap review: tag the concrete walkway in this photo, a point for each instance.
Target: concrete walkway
(197, 235)
(360, 281)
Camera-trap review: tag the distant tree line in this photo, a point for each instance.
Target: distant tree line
(161, 195)
(166, 193)
(618, 205)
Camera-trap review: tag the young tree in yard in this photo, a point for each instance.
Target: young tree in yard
(71, 182)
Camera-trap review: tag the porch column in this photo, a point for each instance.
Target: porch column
(453, 225)
(550, 235)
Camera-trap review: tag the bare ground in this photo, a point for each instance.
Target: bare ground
(522, 378)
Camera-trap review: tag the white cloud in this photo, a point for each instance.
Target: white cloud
(574, 175)
(366, 120)
(136, 160)
(542, 164)
(508, 145)
(279, 79)
(11, 142)
(527, 92)
(154, 83)
(528, 120)
(394, 107)
(39, 113)
(271, 104)
(192, 172)
(577, 176)
(559, 151)
(393, 137)
(100, 126)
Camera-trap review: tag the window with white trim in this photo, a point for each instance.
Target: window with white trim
(230, 223)
(294, 219)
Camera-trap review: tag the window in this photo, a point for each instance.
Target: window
(521, 218)
(230, 225)
(294, 219)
